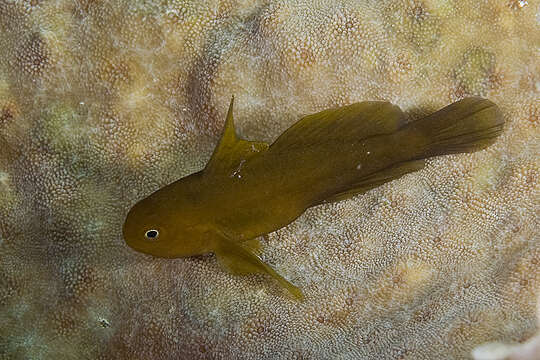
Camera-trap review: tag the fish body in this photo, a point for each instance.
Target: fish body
(250, 188)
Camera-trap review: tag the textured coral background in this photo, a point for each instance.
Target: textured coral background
(103, 102)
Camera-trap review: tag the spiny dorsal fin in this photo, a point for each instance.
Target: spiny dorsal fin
(232, 151)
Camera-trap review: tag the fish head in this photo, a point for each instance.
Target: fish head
(162, 226)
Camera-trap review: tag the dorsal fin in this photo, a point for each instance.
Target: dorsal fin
(343, 125)
(232, 151)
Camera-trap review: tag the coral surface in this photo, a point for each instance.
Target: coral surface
(528, 350)
(103, 102)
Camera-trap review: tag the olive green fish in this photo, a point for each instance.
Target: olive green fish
(249, 188)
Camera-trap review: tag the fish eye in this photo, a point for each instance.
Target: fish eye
(151, 234)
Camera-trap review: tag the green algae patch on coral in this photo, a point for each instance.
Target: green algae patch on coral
(415, 23)
(474, 71)
(7, 195)
(63, 127)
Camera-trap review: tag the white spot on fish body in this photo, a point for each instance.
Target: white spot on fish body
(236, 173)
(358, 167)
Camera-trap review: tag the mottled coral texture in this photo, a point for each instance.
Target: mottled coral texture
(103, 102)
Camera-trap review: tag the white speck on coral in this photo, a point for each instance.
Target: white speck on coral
(104, 322)
(214, 313)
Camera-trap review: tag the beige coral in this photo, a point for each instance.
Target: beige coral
(528, 350)
(103, 102)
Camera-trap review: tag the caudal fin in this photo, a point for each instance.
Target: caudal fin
(467, 125)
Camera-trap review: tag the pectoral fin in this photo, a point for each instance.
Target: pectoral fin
(253, 245)
(239, 260)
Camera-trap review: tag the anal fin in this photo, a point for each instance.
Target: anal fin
(376, 179)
